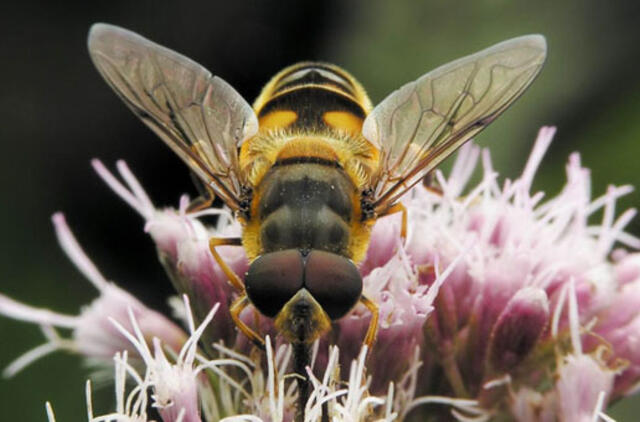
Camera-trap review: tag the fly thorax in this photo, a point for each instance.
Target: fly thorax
(306, 205)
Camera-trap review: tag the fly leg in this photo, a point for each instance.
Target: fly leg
(398, 208)
(431, 185)
(233, 278)
(242, 301)
(236, 308)
(207, 194)
(200, 203)
(206, 198)
(372, 331)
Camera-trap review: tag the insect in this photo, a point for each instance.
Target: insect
(310, 167)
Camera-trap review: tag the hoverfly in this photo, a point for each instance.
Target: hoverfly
(310, 167)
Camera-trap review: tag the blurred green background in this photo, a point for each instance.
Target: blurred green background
(57, 114)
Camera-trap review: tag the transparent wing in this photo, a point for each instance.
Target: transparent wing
(423, 122)
(201, 117)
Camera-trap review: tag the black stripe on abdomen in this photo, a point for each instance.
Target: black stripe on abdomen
(314, 73)
(310, 104)
(307, 159)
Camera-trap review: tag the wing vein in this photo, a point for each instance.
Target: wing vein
(419, 125)
(200, 117)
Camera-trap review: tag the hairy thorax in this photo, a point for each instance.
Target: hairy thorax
(306, 206)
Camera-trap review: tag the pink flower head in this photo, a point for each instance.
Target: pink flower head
(175, 383)
(92, 335)
(182, 242)
(482, 283)
(619, 325)
(500, 304)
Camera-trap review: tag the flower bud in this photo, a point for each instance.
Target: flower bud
(194, 273)
(517, 329)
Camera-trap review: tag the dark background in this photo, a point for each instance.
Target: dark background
(57, 114)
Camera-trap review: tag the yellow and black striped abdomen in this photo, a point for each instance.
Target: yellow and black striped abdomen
(313, 96)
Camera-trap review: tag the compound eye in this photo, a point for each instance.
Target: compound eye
(333, 281)
(273, 279)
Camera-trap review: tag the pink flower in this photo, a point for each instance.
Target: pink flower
(619, 325)
(581, 381)
(174, 383)
(92, 335)
(183, 249)
(500, 304)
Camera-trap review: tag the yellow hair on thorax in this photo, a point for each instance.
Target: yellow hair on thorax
(353, 153)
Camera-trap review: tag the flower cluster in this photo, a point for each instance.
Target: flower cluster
(498, 305)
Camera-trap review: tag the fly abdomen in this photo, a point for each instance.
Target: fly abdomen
(327, 103)
(314, 96)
